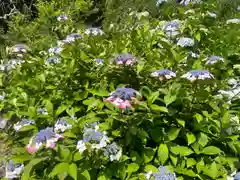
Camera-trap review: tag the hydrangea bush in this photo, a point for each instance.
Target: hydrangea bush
(148, 98)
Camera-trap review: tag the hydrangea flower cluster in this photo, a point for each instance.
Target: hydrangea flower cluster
(62, 125)
(197, 75)
(62, 18)
(159, 2)
(194, 55)
(53, 60)
(185, 42)
(73, 37)
(23, 123)
(42, 111)
(13, 63)
(46, 137)
(113, 151)
(99, 61)
(163, 74)
(93, 31)
(95, 138)
(211, 14)
(122, 97)
(172, 28)
(214, 59)
(125, 59)
(162, 174)
(55, 50)
(19, 48)
(187, 2)
(3, 123)
(13, 170)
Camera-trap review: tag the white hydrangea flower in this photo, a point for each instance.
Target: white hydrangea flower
(159, 2)
(22, 123)
(233, 82)
(185, 42)
(3, 123)
(233, 21)
(148, 175)
(93, 31)
(73, 37)
(213, 60)
(13, 170)
(197, 75)
(211, 14)
(194, 55)
(81, 146)
(62, 125)
(62, 18)
(42, 111)
(187, 2)
(113, 151)
(55, 50)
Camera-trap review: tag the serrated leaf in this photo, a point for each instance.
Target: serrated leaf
(190, 138)
(72, 171)
(173, 133)
(133, 167)
(211, 150)
(181, 150)
(157, 108)
(163, 153)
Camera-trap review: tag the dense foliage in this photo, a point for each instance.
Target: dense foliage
(150, 95)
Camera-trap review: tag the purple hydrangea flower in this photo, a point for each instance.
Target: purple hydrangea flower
(125, 59)
(163, 74)
(13, 63)
(62, 125)
(73, 37)
(185, 42)
(22, 123)
(45, 137)
(214, 59)
(93, 31)
(13, 170)
(172, 28)
(125, 93)
(55, 50)
(52, 60)
(162, 174)
(197, 75)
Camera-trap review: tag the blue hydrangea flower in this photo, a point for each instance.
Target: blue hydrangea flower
(92, 136)
(113, 151)
(99, 61)
(62, 18)
(172, 28)
(164, 174)
(73, 37)
(62, 125)
(163, 74)
(13, 170)
(125, 59)
(233, 21)
(214, 59)
(55, 50)
(237, 176)
(13, 63)
(93, 31)
(125, 93)
(22, 123)
(197, 75)
(45, 137)
(19, 48)
(52, 60)
(187, 2)
(185, 42)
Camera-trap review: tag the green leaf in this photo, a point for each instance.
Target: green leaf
(198, 117)
(69, 134)
(163, 153)
(215, 107)
(200, 166)
(72, 171)
(173, 133)
(133, 167)
(64, 153)
(225, 120)
(149, 168)
(135, 157)
(190, 138)
(174, 159)
(153, 97)
(59, 169)
(31, 111)
(27, 128)
(77, 156)
(169, 99)
(198, 36)
(148, 154)
(181, 122)
(28, 168)
(99, 92)
(181, 150)
(202, 139)
(191, 162)
(189, 172)
(49, 105)
(60, 109)
(85, 175)
(71, 112)
(157, 108)
(211, 150)
(211, 171)
(41, 77)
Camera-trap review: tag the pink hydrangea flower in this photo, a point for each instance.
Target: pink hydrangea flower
(46, 137)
